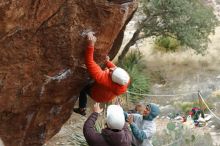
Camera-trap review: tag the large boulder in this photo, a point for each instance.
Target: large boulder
(42, 60)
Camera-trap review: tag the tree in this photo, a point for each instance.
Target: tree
(189, 21)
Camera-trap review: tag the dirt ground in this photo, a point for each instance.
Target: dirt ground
(67, 133)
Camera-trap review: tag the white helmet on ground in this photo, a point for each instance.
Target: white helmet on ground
(115, 117)
(120, 76)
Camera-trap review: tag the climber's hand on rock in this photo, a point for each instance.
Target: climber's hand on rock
(107, 58)
(97, 108)
(91, 38)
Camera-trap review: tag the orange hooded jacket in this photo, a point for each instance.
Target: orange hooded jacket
(104, 89)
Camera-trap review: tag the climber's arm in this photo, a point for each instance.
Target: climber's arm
(93, 68)
(89, 132)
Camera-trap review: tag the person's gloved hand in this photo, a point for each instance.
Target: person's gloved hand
(97, 108)
(91, 39)
(130, 119)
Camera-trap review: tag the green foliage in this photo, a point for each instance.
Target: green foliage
(78, 139)
(166, 44)
(185, 107)
(177, 135)
(98, 127)
(133, 64)
(190, 21)
(171, 126)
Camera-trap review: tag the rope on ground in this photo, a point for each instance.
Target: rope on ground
(166, 95)
(208, 107)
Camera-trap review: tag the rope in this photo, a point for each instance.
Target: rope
(208, 107)
(165, 95)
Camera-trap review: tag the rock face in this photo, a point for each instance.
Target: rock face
(41, 60)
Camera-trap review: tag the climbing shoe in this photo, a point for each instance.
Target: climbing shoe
(81, 111)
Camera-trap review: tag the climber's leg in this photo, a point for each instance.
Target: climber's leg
(83, 100)
(83, 96)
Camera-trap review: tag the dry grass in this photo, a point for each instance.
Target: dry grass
(186, 61)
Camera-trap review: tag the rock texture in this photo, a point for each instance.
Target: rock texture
(42, 64)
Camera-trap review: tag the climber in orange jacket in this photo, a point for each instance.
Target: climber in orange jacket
(108, 83)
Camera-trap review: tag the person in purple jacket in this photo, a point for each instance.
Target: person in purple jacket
(115, 134)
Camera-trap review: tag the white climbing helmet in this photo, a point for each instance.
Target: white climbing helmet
(120, 76)
(115, 117)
